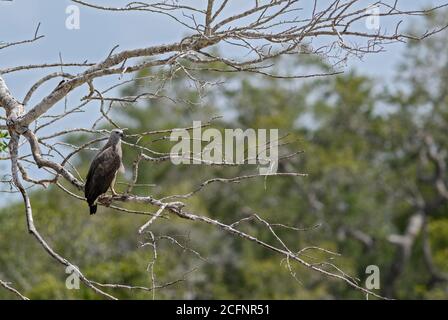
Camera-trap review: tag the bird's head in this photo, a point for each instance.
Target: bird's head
(116, 135)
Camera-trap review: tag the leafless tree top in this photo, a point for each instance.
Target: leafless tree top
(233, 36)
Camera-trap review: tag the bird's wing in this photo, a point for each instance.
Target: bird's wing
(101, 173)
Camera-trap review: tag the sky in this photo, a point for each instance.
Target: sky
(100, 31)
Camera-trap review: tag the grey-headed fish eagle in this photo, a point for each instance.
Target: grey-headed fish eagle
(103, 170)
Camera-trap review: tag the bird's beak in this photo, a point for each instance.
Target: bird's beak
(122, 135)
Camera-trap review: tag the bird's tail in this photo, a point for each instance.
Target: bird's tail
(92, 208)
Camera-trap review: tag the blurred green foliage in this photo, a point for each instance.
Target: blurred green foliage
(3, 141)
(362, 143)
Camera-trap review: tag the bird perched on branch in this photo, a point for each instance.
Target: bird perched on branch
(103, 170)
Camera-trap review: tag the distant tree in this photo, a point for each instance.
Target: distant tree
(222, 38)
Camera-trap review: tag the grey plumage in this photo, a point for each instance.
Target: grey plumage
(103, 170)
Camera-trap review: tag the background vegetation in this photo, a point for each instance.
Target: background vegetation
(368, 149)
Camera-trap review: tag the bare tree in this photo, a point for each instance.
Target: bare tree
(220, 34)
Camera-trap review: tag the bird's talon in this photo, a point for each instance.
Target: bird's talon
(105, 200)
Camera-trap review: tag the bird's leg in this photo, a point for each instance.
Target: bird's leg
(105, 200)
(114, 193)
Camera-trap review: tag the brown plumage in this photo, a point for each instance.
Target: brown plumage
(103, 170)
